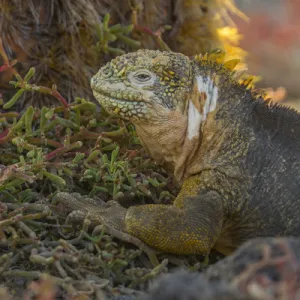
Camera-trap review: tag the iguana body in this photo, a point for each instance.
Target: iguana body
(235, 156)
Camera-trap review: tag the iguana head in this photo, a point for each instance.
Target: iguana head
(165, 94)
(143, 85)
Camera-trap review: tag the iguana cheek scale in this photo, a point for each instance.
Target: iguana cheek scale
(235, 156)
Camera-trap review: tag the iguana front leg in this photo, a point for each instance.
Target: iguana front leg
(187, 230)
(190, 226)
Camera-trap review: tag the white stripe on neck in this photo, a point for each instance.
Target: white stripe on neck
(194, 121)
(211, 92)
(194, 116)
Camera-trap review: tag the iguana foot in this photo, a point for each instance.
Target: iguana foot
(110, 213)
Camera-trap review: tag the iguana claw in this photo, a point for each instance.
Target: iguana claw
(110, 213)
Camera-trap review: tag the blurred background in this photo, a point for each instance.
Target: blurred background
(61, 39)
(272, 39)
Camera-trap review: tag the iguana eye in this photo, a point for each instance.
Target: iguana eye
(142, 77)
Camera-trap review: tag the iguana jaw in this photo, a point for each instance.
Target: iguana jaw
(118, 99)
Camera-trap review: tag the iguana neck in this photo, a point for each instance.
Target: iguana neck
(165, 141)
(168, 143)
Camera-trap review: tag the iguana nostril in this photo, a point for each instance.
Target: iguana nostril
(93, 82)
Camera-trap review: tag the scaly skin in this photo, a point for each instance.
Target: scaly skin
(235, 156)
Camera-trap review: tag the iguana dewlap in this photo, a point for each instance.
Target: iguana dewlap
(235, 156)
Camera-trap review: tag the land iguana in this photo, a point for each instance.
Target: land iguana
(235, 155)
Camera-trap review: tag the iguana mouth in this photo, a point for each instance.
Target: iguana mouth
(123, 103)
(118, 94)
(119, 99)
